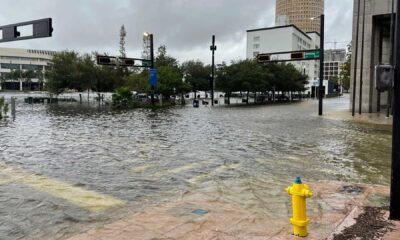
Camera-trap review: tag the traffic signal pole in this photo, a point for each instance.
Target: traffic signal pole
(395, 177)
(213, 48)
(152, 65)
(321, 66)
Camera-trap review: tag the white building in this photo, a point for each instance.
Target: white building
(284, 39)
(23, 59)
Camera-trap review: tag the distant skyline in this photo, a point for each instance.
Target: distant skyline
(184, 26)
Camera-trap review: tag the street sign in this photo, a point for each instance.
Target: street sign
(312, 55)
(153, 77)
(146, 63)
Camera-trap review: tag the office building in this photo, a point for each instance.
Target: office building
(299, 13)
(23, 59)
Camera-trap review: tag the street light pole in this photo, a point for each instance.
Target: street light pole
(395, 177)
(213, 48)
(321, 66)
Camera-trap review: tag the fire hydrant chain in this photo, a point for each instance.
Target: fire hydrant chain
(299, 192)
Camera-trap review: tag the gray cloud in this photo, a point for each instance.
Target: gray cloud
(185, 26)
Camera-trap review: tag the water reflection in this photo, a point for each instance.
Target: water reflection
(242, 154)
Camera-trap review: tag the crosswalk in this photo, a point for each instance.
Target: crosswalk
(94, 201)
(86, 199)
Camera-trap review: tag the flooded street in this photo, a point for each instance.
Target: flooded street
(67, 167)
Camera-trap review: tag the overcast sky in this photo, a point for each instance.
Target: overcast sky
(184, 26)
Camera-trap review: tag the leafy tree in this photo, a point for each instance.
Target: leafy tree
(344, 75)
(3, 108)
(170, 76)
(122, 35)
(139, 82)
(197, 75)
(163, 59)
(64, 72)
(86, 74)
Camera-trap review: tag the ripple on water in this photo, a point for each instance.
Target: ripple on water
(240, 154)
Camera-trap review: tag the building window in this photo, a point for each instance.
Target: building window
(256, 46)
(256, 39)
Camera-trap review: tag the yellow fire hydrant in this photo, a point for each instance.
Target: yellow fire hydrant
(299, 193)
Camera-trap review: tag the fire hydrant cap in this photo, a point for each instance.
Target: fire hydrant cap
(298, 180)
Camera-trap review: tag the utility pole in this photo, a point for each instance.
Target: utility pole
(395, 177)
(213, 48)
(321, 66)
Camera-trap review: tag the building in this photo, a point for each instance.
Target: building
(333, 62)
(23, 59)
(377, 50)
(299, 13)
(284, 39)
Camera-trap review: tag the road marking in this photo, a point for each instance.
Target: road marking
(140, 169)
(86, 199)
(219, 169)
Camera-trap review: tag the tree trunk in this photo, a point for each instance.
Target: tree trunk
(182, 99)
(247, 101)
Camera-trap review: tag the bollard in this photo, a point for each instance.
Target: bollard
(299, 193)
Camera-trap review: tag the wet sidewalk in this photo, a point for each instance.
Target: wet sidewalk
(202, 215)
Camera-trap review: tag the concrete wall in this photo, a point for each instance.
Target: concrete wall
(372, 53)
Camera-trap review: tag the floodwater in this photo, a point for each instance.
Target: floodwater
(67, 167)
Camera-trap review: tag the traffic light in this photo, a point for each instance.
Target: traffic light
(126, 62)
(40, 28)
(105, 60)
(262, 58)
(297, 55)
(10, 33)
(384, 75)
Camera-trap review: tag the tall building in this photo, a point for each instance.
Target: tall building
(377, 50)
(23, 59)
(299, 13)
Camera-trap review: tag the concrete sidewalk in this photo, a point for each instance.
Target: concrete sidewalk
(202, 216)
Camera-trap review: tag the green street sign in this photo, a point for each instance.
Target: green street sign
(312, 55)
(146, 63)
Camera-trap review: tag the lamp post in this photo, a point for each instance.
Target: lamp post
(150, 36)
(321, 64)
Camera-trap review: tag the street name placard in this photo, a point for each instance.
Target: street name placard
(312, 55)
